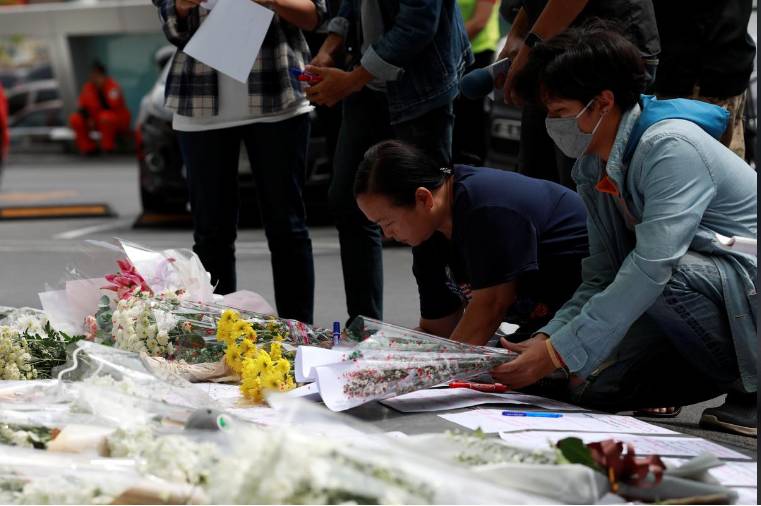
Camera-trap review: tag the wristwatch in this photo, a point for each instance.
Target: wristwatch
(532, 40)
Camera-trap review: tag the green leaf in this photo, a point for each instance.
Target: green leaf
(574, 451)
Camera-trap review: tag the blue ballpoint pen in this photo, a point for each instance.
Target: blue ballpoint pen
(537, 414)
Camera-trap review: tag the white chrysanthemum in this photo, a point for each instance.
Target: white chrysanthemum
(62, 490)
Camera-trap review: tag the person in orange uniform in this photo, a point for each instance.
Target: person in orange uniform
(101, 108)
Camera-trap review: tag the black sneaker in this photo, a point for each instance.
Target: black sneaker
(738, 415)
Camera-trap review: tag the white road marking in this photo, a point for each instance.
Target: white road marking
(81, 232)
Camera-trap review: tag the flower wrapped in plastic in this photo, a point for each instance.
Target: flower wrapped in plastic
(160, 303)
(29, 347)
(34, 477)
(392, 360)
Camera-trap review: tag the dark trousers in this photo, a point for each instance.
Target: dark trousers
(277, 152)
(366, 122)
(471, 122)
(679, 352)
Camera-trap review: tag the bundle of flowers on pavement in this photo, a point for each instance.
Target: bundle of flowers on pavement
(390, 361)
(29, 347)
(160, 303)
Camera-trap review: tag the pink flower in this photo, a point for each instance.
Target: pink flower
(126, 282)
(91, 326)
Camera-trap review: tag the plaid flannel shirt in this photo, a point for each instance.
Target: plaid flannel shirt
(191, 86)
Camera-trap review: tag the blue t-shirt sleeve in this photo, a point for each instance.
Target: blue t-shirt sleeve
(429, 265)
(498, 245)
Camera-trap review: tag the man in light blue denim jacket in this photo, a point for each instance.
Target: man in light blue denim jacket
(406, 60)
(665, 316)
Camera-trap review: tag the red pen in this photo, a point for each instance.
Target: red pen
(496, 388)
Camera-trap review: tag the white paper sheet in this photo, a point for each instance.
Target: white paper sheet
(731, 474)
(310, 357)
(227, 396)
(455, 398)
(310, 391)
(491, 420)
(643, 445)
(230, 38)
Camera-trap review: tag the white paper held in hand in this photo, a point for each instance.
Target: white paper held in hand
(230, 38)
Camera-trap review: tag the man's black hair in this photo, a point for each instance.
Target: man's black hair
(97, 66)
(396, 170)
(580, 63)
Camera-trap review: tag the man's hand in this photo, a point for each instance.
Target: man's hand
(323, 59)
(517, 64)
(336, 84)
(533, 363)
(325, 56)
(183, 7)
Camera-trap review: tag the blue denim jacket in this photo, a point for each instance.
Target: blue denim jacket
(681, 186)
(421, 55)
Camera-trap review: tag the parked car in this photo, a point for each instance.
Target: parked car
(25, 96)
(163, 186)
(40, 124)
(35, 115)
(504, 132)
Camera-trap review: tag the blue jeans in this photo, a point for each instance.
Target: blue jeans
(680, 352)
(277, 152)
(366, 122)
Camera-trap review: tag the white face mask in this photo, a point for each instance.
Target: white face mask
(567, 135)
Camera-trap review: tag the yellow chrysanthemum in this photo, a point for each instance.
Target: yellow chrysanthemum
(229, 317)
(271, 380)
(247, 349)
(262, 360)
(233, 358)
(225, 324)
(251, 386)
(283, 366)
(260, 374)
(251, 333)
(240, 328)
(223, 331)
(276, 351)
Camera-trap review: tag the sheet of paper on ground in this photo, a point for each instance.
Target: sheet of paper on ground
(644, 445)
(454, 398)
(491, 420)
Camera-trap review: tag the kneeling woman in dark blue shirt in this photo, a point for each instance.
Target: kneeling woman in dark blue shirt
(488, 245)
